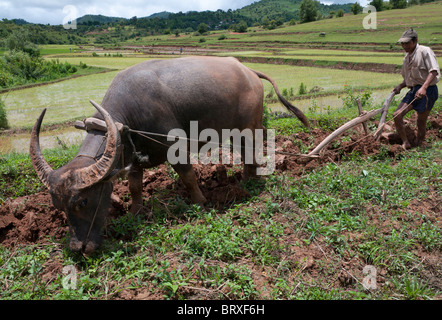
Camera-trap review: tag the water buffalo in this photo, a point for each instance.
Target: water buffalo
(154, 96)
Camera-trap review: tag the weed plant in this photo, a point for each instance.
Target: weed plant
(19, 68)
(3, 117)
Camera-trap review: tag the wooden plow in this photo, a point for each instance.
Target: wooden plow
(361, 119)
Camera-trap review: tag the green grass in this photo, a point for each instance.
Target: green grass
(18, 177)
(331, 81)
(350, 214)
(390, 26)
(229, 248)
(57, 49)
(345, 32)
(105, 62)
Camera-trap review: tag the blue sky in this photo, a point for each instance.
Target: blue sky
(51, 11)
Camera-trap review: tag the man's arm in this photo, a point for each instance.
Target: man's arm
(398, 89)
(422, 92)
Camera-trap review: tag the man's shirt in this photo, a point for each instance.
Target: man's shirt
(418, 65)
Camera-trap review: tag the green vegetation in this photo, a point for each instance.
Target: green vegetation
(19, 68)
(305, 234)
(3, 118)
(260, 248)
(18, 177)
(24, 65)
(264, 15)
(24, 106)
(112, 30)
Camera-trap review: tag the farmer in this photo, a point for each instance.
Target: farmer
(421, 72)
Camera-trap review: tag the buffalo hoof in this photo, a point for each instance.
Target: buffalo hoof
(90, 248)
(85, 249)
(198, 199)
(137, 209)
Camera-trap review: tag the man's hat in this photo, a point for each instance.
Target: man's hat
(408, 35)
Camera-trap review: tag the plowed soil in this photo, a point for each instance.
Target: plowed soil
(33, 219)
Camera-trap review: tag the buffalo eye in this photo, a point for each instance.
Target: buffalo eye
(79, 203)
(83, 203)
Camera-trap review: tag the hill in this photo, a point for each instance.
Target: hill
(91, 19)
(348, 30)
(161, 15)
(284, 9)
(98, 19)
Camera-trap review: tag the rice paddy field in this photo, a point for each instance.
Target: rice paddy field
(306, 232)
(69, 100)
(354, 60)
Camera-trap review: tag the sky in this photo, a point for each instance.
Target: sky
(59, 11)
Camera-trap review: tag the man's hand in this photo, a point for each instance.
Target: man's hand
(422, 92)
(398, 89)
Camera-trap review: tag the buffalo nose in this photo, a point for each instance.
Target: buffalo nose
(75, 245)
(85, 248)
(90, 248)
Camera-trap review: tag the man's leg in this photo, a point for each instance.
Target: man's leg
(422, 126)
(399, 115)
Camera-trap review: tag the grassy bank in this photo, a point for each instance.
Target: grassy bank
(293, 237)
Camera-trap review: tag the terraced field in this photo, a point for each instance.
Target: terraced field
(306, 232)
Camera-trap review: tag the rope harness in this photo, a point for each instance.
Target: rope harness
(126, 130)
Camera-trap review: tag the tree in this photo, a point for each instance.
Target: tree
(240, 27)
(203, 28)
(378, 4)
(356, 8)
(19, 40)
(398, 4)
(308, 10)
(265, 22)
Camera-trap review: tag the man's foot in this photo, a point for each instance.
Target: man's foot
(406, 145)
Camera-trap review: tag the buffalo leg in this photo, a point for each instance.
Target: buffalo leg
(186, 173)
(248, 155)
(136, 189)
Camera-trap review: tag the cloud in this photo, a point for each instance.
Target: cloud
(51, 11)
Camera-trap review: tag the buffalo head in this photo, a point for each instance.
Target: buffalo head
(81, 188)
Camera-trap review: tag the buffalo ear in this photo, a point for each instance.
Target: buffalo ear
(117, 174)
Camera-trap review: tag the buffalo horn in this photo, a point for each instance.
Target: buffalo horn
(87, 177)
(40, 165)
